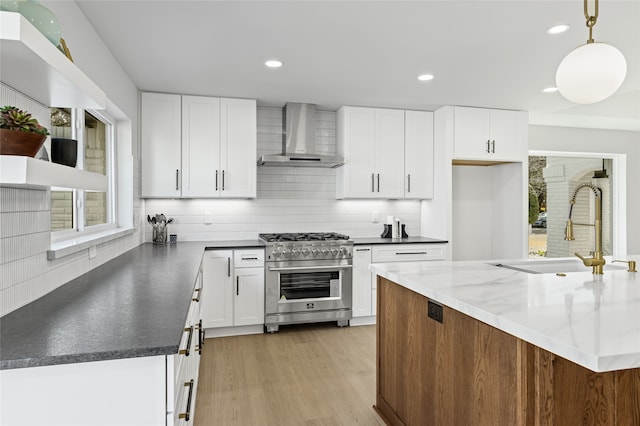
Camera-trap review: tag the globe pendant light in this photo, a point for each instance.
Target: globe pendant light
(593, 71)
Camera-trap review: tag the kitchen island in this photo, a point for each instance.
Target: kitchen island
(472, 343)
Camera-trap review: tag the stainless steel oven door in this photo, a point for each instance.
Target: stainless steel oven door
(305, 286)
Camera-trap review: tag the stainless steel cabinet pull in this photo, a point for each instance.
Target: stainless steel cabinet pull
(363, 249)
(378, 182)
(372, 183)
(228, 266)
(249, 258)
(409, 183)
(185, 352)
(197, 298)
(216, 180)
(411, 252)
(488, 149)
(237, 286)
(223, 180)
(493, 147)
(177, 178)
(187, 413)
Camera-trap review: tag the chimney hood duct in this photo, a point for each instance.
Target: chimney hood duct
(299, 141)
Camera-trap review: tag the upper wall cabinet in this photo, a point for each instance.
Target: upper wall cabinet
(32, 65)
(489, 135)
(376, 144)
(418, 154)
(197, 147)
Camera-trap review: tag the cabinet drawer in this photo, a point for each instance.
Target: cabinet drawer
(407, 252)
(248, 258)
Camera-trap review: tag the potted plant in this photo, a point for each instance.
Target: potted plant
(20, 133)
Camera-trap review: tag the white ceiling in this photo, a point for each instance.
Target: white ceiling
(483, 53)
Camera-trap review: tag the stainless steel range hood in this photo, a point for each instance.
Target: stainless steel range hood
(299, 141)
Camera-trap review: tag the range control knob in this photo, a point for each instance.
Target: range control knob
(294, 252)
(305, 251)
(285, 252)
(314, 250)
(334, 251)
(275, 253)
(343, 251)
(324, 251)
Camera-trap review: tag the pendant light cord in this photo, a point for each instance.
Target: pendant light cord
(591, 19)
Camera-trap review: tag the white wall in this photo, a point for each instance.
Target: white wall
(25, 272)
(290, 199)
(568, 139)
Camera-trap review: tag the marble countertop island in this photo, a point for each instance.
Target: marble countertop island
(591, 320)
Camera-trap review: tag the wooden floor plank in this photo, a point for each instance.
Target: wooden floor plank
(313, 375)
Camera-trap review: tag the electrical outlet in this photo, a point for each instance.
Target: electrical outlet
(375, 217)
(92, 252)
(434, 311)
(208, 218)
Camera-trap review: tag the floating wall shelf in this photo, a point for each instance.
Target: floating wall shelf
(32, 65)
(27, 172)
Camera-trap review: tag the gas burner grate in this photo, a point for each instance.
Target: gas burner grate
(303, 236)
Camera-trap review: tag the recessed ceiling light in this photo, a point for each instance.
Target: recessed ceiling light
(273, 63)
(557, 29)
(550, 89)
(425, 77)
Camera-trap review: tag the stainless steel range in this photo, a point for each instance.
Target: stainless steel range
(308, 278)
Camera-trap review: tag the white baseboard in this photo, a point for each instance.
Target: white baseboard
(233, 331)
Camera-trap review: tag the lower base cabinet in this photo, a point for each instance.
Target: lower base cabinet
(462, 371)
(364, 281)
(233, 292)
(150, 390)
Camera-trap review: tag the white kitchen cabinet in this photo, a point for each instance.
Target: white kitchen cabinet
(200, 146)
(489, 135)
(418, 155)
(233, 294)
(365, 282)
(197, 146)
(238, 148)
(161, 151)
(147, 390)
(217, 291)
(362, 284)
(372, 142)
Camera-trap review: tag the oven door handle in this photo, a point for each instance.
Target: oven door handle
(311, 268)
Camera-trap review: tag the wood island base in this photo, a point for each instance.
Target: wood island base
(462, 371)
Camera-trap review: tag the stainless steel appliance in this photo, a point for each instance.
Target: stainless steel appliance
(308, 278)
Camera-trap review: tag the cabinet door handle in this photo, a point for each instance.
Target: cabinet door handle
(488, 148)
(223, 180)
(249, 258)
(378, 182)
(493, 146)
(177, 178)
(410, 252)
(228, 266)
(363, 249)
(185, 352)
(216, 180)
(409, 183)
(372, 183)
(200, 337)
(187, 413)
(238, 286)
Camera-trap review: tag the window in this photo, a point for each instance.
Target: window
(76, 211)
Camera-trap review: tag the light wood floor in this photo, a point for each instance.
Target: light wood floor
(316, 374)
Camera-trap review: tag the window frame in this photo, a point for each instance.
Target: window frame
(80, 230)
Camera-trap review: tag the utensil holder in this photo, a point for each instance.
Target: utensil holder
(159, 235)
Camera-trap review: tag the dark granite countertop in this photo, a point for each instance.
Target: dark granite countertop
(134, 305)
(233, 244)
(409, 240)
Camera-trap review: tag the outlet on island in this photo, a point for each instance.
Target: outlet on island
(434, 311)
(375, 217)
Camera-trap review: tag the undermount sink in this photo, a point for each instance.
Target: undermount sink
(552, 266)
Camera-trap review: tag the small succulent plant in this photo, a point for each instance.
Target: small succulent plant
(13, 118)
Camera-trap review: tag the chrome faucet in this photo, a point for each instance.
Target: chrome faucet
(596, 261)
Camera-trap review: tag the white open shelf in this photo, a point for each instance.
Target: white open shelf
(29, 172)
(32, 65)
